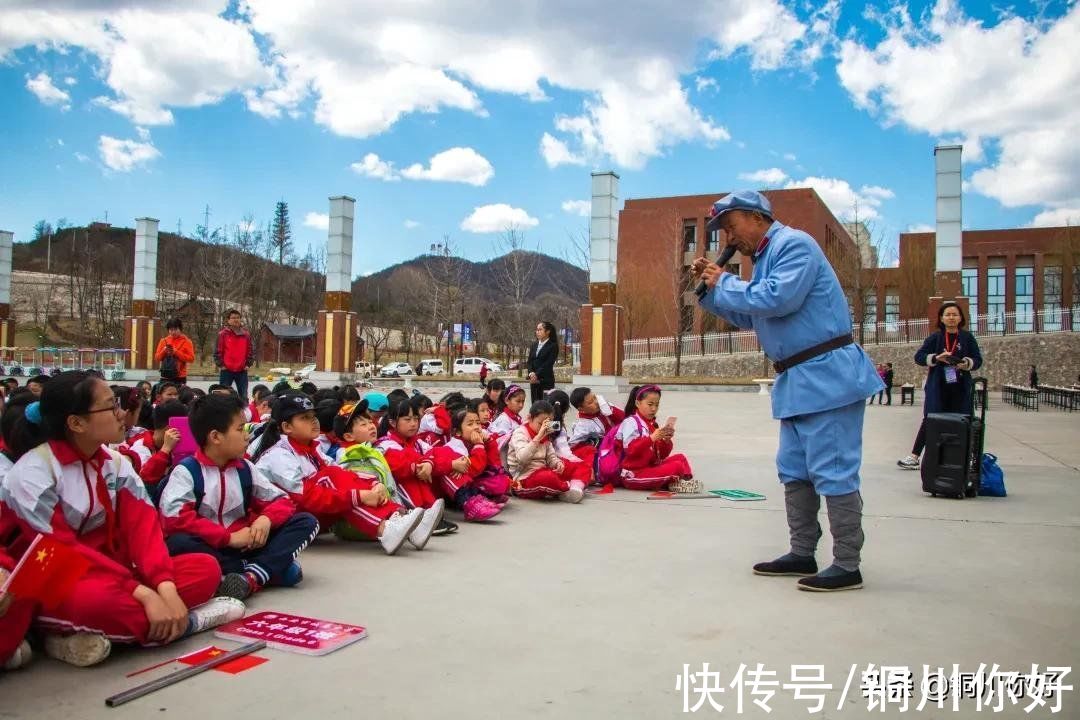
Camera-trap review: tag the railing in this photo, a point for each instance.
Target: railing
(894, 332)
(30, 361)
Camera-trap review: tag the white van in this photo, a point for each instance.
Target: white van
(363, 369)
(430, 367)
(472, 365)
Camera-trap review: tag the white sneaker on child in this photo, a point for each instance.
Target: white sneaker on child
(81, 649)
(397, 528)
(214, 612)
(575, 493)
(20, 658)
(418, 538)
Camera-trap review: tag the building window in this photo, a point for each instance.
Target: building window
(689, 236)
(1051, 298)
(712, 243)
(970, 279)
(995, 299)
(1025, 299)
(869, 306)
(892, 309)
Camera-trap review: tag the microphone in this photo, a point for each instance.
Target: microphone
(725, 255)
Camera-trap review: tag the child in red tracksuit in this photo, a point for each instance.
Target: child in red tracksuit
(595, 417)
(153, 448)
(535, 465)
(469, 468)
(408, 457)
(15, 614)
(289, 456)
(648, 463)
(508, 415)
(72, 488)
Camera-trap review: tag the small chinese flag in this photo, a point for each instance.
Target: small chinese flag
(233, 667)
(47, 572)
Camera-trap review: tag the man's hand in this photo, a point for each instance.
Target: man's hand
(170, 441)
(260, 532)
(707, 271)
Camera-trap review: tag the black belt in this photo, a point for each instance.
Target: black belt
(812, 352)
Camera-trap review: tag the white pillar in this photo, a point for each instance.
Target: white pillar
(340, 245)
(146, 247)
(948, 183)
(6, 238)
(604, 228)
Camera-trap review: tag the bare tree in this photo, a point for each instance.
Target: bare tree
(376, 339)
(514, 277)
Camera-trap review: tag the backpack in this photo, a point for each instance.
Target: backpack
(195, 468)
(607, 463)
(170, 369)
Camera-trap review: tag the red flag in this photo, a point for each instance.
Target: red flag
(47, 572)
(233, 667)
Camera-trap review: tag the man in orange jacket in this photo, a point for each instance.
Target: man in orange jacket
(178, 346)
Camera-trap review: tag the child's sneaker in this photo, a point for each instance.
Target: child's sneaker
(418, 538)
(575, 493)
(20, 658)
(215, 612)
(81, 649)
(292, 575)
(238, 586)
(397, 528)
(478, 509)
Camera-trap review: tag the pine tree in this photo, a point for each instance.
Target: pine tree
(281, 234)
(42, 229)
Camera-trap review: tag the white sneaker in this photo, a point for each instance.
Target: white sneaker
(21, 657)
(81, 649)
(398, 527)
(214, 612)
(418, 538)
(573, 495)
(911, 462)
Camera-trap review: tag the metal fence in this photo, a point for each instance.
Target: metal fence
(897, 332)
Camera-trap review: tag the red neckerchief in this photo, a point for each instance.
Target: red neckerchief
(604, 419)
(255, 417)
(513, 416)
(205, 461)
(310, 451)
(650, 424)
(405, 442)
(534, 433)
(67, 454)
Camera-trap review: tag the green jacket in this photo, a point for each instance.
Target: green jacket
(364, 458)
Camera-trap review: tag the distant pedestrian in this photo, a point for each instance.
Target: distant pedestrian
(889, 377)
(483, 376)
(1033, 377)
(234, 354)
(880, 367)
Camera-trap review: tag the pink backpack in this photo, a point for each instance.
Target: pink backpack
(607, 463)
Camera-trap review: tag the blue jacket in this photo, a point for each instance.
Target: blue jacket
(793, 302)
(939, 397)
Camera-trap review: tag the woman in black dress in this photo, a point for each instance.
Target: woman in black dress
(541, 364)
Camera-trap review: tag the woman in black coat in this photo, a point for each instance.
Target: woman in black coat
(541, 364)
(951, 354)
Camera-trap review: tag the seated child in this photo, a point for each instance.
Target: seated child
(326, 410)
(508, 415)
(358, 434)
(408, 457)
(494, 391)
(595, 418)
(154, 447)
(289, 457)
(648, 463)
(260, 404)
(534, 465)
(249, 526)
(133, 592)
(469, 469)
(577, 467)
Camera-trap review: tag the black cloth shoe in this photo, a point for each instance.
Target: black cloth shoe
(787, 565)
(445, 527)
(234, 585)
(832, 583)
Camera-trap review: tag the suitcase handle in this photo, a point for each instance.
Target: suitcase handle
(975, 383)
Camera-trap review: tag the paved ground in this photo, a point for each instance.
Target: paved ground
(591, 611)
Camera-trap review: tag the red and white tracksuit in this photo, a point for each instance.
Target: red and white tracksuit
(154, 464)
(100, 506)
(435, 426)
(16, 621)
(649, 465)
(589, 430)
(327, 491)
(485, 474)
(403, 455)
(537, 468)
(503, 426)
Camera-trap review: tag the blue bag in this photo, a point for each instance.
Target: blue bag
(992, 482)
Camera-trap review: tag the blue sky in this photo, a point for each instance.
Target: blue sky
(143, 109)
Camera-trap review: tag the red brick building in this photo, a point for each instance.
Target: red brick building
(659, 238)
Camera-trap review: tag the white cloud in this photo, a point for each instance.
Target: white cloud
(921, 228)
(411, 224)
(841, 198)
(770, 176)
(143, 133)
(790, 157)
(702, 83)
(125, 155)
(578, 207)
(458, 164)
(44, 90)
(497, 218)
(1057, 217)
(69, 81)
(1014, 84)
(319, 221)
(371, 166)
(81, 157)
(556, 153)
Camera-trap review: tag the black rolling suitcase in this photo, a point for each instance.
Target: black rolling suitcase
(952, 460)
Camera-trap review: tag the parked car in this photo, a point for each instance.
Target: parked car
(396, 369)
(364, 369)
(430, 367)
(472, 365)
(305, 372)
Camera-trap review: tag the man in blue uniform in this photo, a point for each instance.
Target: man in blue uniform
(795, 305)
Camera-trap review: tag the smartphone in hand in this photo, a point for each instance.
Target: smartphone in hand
(670, 423)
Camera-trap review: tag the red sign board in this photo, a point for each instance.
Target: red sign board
(293, 633)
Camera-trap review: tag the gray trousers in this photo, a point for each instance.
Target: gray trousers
(845, 523)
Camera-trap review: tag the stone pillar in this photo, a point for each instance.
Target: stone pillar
(142, 329)
(335, 348)
(7, 323)
(601, 320)
(948, 236)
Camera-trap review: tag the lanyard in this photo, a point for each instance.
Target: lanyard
(955, 345)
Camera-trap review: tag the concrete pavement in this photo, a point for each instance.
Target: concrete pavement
(591, 611)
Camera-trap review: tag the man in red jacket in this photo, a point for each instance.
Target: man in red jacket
(234, 354)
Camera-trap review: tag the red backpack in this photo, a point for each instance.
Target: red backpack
(607, 463)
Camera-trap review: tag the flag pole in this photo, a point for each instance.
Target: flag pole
(174, 677)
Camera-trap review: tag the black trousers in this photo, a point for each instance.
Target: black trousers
(537, 390)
